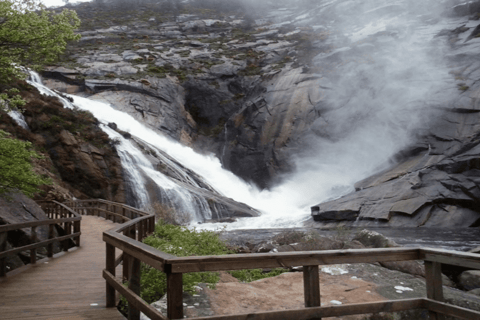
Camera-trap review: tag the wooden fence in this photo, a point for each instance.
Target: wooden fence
(58, 214)
(127, 238)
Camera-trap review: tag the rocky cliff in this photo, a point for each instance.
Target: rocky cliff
(77, 155)
(287, 86)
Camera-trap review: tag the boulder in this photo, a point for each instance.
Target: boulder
(374, 239)
(475, 292)
(263, 247)
(415, 268)
(18, 208)
(469, 280)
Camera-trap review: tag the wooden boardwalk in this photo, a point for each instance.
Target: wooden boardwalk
(68, 286)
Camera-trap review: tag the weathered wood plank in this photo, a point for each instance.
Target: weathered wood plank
(10, 227)
(469, 260)
(451, 310)
(324, 312)
(110, 267)
(134, 286)
(289, 259)
(68, 286)
(311, 287)
(433, 274)
(144, 253)
(38, 244)
(174, 296)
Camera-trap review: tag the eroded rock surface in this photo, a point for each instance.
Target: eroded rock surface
(262, 93)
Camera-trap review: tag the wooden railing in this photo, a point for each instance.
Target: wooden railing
(58, 214)
(127, 238)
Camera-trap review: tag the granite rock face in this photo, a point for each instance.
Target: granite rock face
(260, 94)
(434, 181)
(18, 208)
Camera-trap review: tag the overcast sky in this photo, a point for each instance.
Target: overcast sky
(56, 3)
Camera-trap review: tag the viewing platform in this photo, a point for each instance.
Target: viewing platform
(85, 282)
(66, 286)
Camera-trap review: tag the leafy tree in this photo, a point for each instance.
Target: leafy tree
(15, 168)
(31, 36)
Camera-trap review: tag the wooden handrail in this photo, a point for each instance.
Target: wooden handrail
(127, 237)
(58, 214)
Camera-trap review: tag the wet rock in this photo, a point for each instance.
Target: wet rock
(263, 248)
(374, 239)
(475, 292)
(411, 267)
(475, 250)
(469, 280)
(18, 208)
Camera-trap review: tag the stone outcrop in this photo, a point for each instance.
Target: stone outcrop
(78, 155)
(469, 280)
(434, 181)
(18, 208)
(261, 93)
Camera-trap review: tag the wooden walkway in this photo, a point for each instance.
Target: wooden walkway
(69, 286)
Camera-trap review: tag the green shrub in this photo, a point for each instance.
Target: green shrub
(256, 274)
(181, 242)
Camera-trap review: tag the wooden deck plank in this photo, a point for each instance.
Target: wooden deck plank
(66, 287)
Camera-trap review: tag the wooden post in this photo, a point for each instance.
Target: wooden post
(33, 252)
(134, 285)
(152, 224)
(126, 259)
(3, 247)
(140, 231)
(311, 287)
(76, 228)
(174, 295)
(433, 274)
(51, 234)
(67, 232)
(110, 266)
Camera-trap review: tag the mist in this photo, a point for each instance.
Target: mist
(383, 80)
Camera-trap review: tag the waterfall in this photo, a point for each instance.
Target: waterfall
(146, 185)
(287, 205)
(18, 117)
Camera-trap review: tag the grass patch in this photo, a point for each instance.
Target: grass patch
(183, 242)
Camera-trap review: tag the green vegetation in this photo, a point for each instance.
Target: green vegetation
(15, 167)
(183, 242)
(31, 36)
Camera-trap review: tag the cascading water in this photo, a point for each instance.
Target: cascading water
(18, 117)
(378, 92)
(146, 183)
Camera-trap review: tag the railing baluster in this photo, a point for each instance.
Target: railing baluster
(33, 252)
(174, 295)
(134, 285)
(3, 247)
(110, 266)
(51, 234)
(433, 274)
(126, 259)
(140, 231)
(67, 232)
(76, 228)
(311, 287)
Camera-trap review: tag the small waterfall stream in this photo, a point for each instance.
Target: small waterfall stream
(146, 184)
